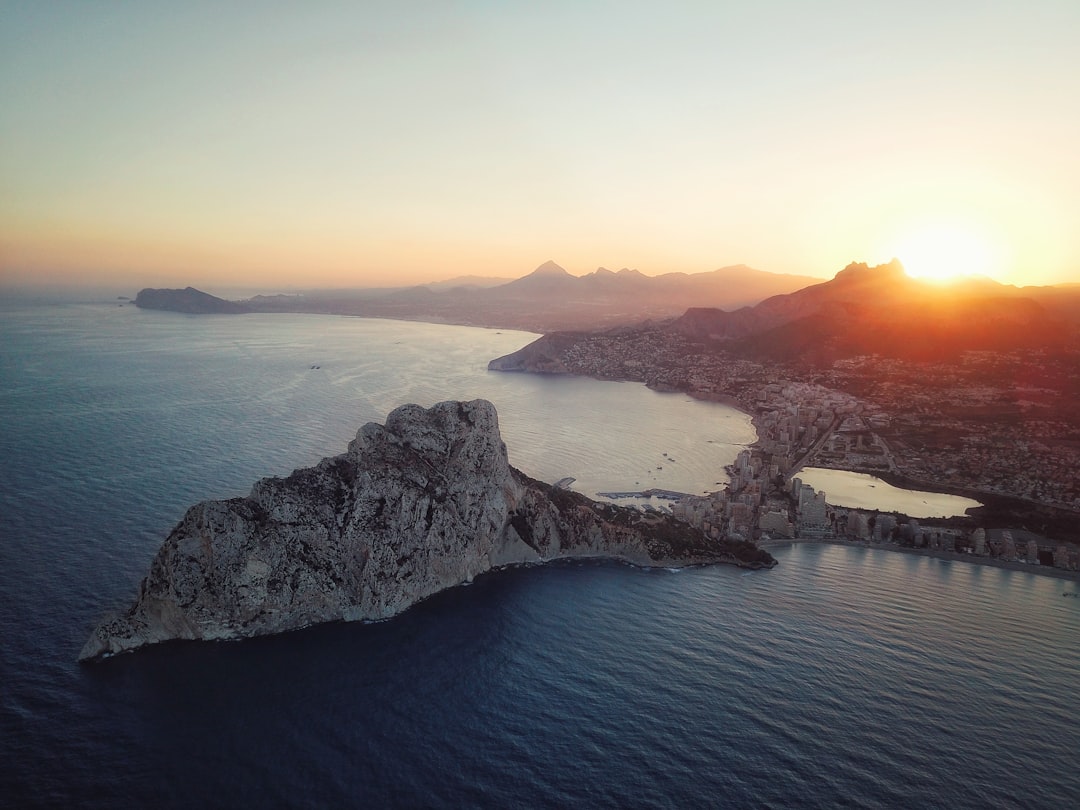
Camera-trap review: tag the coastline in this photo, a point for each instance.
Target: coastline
(703, 396)
(996, 510)
(893, 478)
(949, 556)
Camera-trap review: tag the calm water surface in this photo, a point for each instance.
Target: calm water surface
(862, 491)
(844, 677)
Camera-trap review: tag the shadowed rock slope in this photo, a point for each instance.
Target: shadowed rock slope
(423, 503)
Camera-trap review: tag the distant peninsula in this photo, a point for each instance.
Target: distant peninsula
(189, 301)
(425, 502)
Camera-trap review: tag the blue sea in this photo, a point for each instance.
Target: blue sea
(844, 677)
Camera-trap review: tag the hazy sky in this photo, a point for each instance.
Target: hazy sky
(266, 144)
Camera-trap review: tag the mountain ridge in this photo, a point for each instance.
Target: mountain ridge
(862, 310)
(548, 298)
(881, 310)
(729, 304)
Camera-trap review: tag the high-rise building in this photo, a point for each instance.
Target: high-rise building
(886, 524)
(1008, 545)
(813, 512)
(858, 526)
(978, 541)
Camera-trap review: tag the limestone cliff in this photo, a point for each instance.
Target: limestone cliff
(423, 503)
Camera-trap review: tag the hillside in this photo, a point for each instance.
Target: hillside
(880, 310)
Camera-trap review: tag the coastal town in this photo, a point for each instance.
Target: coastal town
(999, 428)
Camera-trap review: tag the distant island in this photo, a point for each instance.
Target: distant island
(425, 502)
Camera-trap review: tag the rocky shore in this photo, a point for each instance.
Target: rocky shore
(425, 502)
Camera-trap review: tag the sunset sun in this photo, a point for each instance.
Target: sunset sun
(946, 252)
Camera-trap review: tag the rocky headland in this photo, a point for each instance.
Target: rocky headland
(189, 301)
(425, 502)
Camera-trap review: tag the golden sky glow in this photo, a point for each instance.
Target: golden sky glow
(349, 144)
(942, 251)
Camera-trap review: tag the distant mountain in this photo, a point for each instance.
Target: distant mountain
(733, 286)
(547, 299)
(881, 310)
(188, 300)
(855, 283)
(1062, 300)
(606, 298)
(462, 283)
(548, 279)
(863, 309)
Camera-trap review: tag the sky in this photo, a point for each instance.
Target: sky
(276, 145)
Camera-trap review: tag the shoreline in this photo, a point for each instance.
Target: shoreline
(704, 396)
(995, 510)
(948, 556)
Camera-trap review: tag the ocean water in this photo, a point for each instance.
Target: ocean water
(843, 677)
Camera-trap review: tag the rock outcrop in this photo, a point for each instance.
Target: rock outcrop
(423, 503)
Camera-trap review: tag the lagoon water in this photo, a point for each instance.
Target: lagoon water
(862, 491)
(842, 677)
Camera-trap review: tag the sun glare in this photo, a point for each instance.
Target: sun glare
(945, 252)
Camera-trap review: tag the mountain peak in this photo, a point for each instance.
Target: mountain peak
(549, 268)
(861, 271)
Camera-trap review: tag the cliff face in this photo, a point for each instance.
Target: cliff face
(423, 503)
